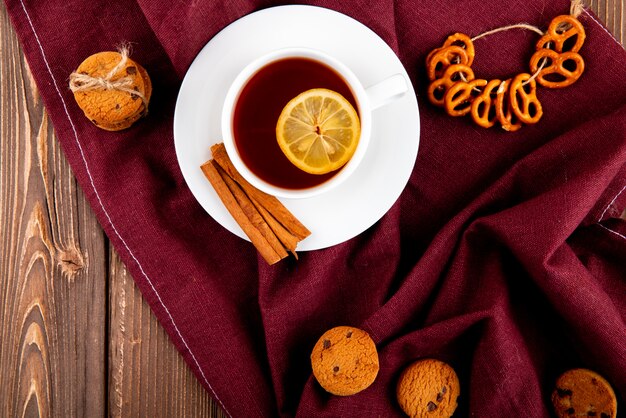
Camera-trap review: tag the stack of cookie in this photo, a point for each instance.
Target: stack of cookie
(112, 90)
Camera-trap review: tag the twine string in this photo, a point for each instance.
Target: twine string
(509, 27)
(86, 82)
(524, 26)
(576, 8)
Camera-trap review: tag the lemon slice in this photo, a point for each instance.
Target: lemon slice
(318, 131)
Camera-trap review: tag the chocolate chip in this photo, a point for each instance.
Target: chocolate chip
(444, 389)
(131, 70)
(570, 411)
(326, 343)
(349, 334)
(431, 406)
(335, 369)
(604, 415)
(134, 96)
(439, 397)
(591, 414)
(117, 106)
(563, 392)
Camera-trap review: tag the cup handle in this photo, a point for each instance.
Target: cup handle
(387, 91)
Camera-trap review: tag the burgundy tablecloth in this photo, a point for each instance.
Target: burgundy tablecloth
(503, 256)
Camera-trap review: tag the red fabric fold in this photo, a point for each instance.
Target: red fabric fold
(503, 256)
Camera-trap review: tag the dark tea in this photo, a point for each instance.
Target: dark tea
(258, 108)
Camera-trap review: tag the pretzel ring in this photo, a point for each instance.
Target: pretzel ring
(445, 57)
(563, 31)
(437, 89)
(523, 99)
(459, 97)
(555, 68)
(483, 107)
(505, 116)
(556, 63)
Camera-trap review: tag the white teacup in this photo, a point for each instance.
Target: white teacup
(367, 100)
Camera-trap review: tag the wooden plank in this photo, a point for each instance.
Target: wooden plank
(612, 13)
(52, 274)
(147, 375)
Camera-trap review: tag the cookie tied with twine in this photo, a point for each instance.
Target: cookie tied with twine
(112, 90)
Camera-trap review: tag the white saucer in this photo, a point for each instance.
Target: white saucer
(360, 201)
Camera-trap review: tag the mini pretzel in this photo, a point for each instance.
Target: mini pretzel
(484, 107)
(457, 39)
(437, 89)
(505, 116)
(523, 99)
(445, 57)
(555, 67)
(465, 42)
(430, 56)
(459, 97)
(561, 29)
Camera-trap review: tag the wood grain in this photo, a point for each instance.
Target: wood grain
(52, 274)
(612, 13)
(148, 377)
(76, 337)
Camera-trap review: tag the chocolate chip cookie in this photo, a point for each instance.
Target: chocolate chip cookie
(345, 361)
(428, 388)
(582, 392)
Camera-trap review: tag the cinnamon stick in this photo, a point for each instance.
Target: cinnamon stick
(289, 241)
(258, 240)
(269, 202)
(253, 214)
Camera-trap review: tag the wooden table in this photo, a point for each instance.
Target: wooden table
(76, 337)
